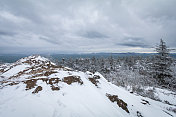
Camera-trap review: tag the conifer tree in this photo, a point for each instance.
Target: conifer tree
(162, 63)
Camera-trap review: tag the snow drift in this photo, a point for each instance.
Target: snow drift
(36, 87)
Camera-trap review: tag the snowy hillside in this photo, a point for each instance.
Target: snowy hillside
(36, 87)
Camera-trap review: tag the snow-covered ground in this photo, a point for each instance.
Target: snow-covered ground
(166, 96)
(36, 87)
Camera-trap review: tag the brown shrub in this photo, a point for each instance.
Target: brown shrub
(71, 79)
(51, 82)
(120, 102)
(55, 88)
(54, 81)
(30, 83)
(39, 88)
(94, 80)
(13, 83)
(47, 73)
(1, 70)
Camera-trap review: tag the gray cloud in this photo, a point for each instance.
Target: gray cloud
(142, 45)
(50, 40)
(94, 34)
(134, 42)
(85, 26)
(6, 33)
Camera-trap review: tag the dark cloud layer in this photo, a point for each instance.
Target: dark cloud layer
(67, 26)
(142, 45)
(134, 42)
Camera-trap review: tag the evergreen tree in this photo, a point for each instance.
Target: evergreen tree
(162, 63)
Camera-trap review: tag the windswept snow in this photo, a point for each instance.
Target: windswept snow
(71, 98)
(166, 96)
(15, 70)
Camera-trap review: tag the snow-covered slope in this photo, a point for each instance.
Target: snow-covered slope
(36, 87)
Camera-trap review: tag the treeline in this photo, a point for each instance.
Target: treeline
(134, 71)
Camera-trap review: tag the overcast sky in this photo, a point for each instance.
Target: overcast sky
(85, 26)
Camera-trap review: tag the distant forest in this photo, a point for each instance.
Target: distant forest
(134, 72)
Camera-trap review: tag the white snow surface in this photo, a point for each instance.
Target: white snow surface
(74, 100)
(15, 70)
